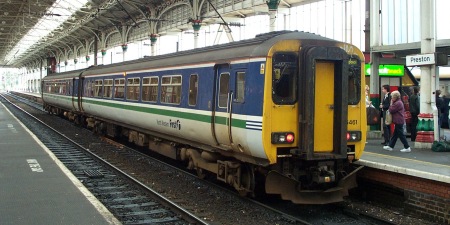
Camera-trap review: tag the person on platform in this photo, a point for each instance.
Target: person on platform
(384, 106)
(397, 110)
(414, 109)
(368, 102)
(439, 106)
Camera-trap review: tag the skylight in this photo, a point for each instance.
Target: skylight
(60, 11)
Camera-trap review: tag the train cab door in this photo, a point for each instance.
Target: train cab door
(323, 88)
(222, 109)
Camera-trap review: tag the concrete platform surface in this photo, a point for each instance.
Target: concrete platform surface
(35, 187)
(422, 163)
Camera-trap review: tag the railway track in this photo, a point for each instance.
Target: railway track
(284, 213)
(128, 199)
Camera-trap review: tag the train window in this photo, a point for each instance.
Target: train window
(54, 88)
(92, 89)
(133, 88)
(119, 88)
(224, 89)
(240, 86)
(284, 78)
(98, 88)
(150, 89)
(62, 88)
(354, 83)
(108, 88)
(69, 87)
(171, 89)
(193, 89)
(87, 88)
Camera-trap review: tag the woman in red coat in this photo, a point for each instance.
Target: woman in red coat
(397, 110)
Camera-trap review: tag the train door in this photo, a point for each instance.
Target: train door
(74, 94)
(323, 90)
(324, 101)
(221, 110)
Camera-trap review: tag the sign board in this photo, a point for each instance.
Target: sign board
(387, 70)
(420, 60)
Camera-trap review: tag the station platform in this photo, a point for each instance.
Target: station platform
(35, 187)
(422, 163)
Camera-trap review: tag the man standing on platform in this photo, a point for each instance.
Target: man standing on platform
(384, 106)
(414, 109)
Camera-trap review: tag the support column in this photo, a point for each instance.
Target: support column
(103, 56)
(41, 68)
(153, 39)
(196, 24)
(374, 38)
(75, 61)
(124, 51)
(426, 129)
(273, 7)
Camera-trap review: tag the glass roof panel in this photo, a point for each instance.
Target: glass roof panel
(60, 11)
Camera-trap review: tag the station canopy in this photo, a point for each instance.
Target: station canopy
(32, 27)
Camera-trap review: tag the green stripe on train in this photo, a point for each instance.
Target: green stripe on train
(185, 115)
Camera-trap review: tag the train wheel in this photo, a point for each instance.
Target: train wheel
(247, 181)
(200, 173)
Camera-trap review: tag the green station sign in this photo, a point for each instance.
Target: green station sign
(387, 70)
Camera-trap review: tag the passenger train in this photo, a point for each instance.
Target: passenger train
(282, 112)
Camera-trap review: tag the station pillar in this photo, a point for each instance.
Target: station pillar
(425, 131)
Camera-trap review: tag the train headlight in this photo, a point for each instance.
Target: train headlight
(353, 136)
(283, 138)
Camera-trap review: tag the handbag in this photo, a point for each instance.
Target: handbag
(388, 118)
(373, 116)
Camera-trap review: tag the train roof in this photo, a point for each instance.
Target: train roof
(249, 48)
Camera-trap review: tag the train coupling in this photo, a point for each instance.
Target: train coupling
(323, 175)
(288, 189)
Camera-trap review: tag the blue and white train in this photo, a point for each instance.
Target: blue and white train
(282, 112)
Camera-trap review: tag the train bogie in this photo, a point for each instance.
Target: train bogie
(285, 106)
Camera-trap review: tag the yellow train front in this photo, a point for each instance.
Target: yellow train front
(314, 122)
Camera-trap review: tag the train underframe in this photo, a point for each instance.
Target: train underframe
(294, 179)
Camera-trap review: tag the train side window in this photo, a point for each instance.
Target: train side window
(150, 89)
(92, 88)
(224, 89)
(193, 89)
(354, 83)
(171, 89)
(87, 88)
(98, 92)
(133, 88)
(284, 78)
(69, 87)
(240, 86)
(62, 88)
(119, 88)
(108, 88)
